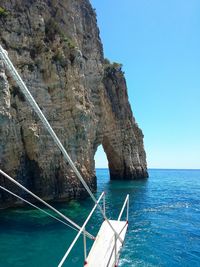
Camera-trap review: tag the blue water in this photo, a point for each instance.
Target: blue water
(164, 224)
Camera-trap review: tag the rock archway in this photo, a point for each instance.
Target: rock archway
(122, 138)
(83, 96)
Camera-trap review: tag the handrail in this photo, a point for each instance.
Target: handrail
(115, 246)
(79, 233)
(126, 202)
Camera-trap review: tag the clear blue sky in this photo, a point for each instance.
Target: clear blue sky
(158, 43)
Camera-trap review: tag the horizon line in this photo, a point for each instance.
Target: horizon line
(198, 169)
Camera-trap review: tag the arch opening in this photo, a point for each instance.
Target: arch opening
(108, 156)
(101, 167)
(100, 158)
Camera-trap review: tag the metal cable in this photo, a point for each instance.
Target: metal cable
(45, 203)
(31, 204)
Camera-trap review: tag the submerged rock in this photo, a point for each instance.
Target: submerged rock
(56, 48)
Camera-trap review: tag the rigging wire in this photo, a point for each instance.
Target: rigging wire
(45, 203)
(31, 204)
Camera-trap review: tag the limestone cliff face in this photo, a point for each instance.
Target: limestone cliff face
(56, 48)
(122, 138)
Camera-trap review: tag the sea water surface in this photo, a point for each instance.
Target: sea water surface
(164, 224)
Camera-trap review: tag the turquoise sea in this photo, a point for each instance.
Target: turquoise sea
(164, 224)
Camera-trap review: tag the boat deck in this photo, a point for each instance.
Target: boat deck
(102, 253)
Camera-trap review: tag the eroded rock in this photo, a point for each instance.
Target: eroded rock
(56, 48)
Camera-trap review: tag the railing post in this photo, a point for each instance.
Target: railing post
(84, 246)
(115, 250)
(126, 203)
(127, 211)
(104, 204)
(79, 233)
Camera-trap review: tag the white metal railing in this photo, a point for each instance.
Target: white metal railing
(126, 204)
(83, 230)
(115, 248)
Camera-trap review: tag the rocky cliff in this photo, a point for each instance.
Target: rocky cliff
(56, 48)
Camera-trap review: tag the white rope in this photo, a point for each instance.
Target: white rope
(36, 108)
(49, 214)
(44, 202)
